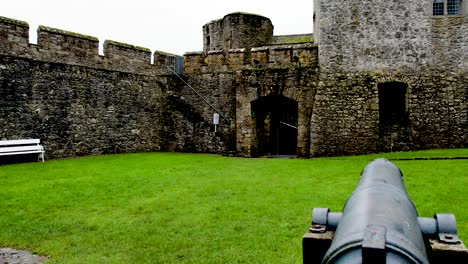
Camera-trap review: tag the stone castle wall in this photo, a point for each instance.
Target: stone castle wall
(233, 79)
(80, 103)
(236, 31)
(56, 45)
(449, 43)
(233, 91)
(294, 55)
(366, 35)
(346, 114)
(364, 44)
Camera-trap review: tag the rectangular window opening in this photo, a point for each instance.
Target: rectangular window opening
(453, 7)
(438, 8)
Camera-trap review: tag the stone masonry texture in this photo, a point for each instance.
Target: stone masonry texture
(336, 87)
(364, 44)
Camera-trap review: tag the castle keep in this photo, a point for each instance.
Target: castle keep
(375, 76)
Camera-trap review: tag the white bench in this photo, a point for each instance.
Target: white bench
(22, 146)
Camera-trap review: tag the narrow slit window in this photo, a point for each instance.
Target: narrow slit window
(438, 8)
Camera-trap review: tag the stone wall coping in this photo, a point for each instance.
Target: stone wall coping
(211, 52)
(292, 39)
(13, 21)
(237, 50)
(193, 53)
(126, 46)
(245, 14)
(288, 47)
(215, 21)
(294, 35)
(220, 20)
(305, 46)
(66, 33)
(259, 49)
(158, 52)
(296, 46)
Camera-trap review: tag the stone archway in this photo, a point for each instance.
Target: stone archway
(275, 122)
(268, 92)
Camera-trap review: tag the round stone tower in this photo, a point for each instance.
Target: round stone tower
(237, 30)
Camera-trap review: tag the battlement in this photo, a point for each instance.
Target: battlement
(298, 55)
(61, 46)
(292, 39)
(14, 36)
(167, 61)
(126, 55)
(57, 44)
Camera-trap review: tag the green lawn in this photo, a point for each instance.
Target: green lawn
(194, 208)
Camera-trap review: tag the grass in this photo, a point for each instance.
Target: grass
(194, 208)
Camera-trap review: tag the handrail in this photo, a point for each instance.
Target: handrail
(197, 93)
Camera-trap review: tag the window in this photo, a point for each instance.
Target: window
(452, 7)
(446, 7)
(438, 8)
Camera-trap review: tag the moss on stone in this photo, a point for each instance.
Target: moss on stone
(162, 53)
(235, 14)
(166, 53)
(66, 33)
(300, 40)
(125, 45)
(194, 53)
(215, 21)
(245, 13)
(292, 39)
(13, 21)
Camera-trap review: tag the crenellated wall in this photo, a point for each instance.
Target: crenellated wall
(378, 76)
(14, 36)
(56, 45)
(80, 103)
(297, 55)
(233, 79)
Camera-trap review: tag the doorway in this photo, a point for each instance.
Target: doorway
(275, 132)
(393, 117)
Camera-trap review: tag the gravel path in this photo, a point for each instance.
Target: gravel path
(14, 256)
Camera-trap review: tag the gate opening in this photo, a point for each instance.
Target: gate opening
(275, 132)
(393, 117)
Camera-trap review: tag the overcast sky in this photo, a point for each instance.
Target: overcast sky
(171, 26)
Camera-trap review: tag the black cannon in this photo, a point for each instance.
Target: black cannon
(379, 224)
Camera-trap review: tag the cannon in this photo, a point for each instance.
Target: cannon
(380, 224)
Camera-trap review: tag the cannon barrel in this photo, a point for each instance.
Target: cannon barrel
(379, 223)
